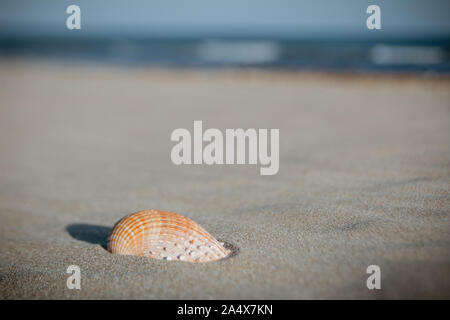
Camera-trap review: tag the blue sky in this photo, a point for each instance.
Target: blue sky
(289, 18)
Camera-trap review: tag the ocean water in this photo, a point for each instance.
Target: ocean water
(356, 56)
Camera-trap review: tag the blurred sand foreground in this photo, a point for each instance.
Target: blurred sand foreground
(364, 179)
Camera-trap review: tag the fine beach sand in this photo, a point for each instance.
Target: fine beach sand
(364, 179)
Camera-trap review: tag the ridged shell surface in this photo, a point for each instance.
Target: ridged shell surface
(164, 235)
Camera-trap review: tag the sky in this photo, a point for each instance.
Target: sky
(198, 18)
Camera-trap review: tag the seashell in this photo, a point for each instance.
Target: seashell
(164, 235)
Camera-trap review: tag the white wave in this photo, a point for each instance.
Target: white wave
(239, 52)
(388, 54)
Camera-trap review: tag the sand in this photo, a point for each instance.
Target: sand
(364, 179)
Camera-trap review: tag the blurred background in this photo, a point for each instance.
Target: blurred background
(291, 34)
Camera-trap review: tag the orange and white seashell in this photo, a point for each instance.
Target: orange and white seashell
(164, 235)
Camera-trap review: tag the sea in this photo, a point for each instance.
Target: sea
(428, 56)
